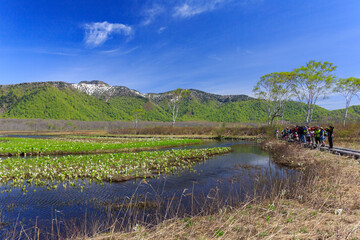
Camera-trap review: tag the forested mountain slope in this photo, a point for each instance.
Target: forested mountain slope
(96, 100)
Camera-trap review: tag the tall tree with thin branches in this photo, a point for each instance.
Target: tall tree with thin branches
(274, 89)
(174, 101)
(136, 114)
(313, 81)
(348, 87)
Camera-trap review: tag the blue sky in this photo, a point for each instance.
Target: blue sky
(218, 46)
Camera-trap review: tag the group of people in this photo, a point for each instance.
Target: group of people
(313, 136)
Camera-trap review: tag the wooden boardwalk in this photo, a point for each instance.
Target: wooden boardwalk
(342, 151)
(336, 150)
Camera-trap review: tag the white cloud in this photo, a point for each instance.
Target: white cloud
(161, 30)
(58, 52)
(97, 33)
(120, 51)
(191, 8)
(151, 13)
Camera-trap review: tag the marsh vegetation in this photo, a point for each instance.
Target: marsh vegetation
(82, 145)
(67, 170)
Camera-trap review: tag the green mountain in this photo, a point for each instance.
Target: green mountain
(96, 100)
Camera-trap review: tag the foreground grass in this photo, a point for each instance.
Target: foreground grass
(50, 171)
(322, 204)
(31, 146)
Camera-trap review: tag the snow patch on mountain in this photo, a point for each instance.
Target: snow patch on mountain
(138, 93)
(93, 89)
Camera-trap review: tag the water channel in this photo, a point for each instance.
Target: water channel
(226, 178)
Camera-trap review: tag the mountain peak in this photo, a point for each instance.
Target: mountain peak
(95, 82)
(94, 87)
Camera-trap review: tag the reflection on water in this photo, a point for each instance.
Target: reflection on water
(225, 175)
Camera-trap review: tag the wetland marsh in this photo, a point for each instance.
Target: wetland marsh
(80, 189)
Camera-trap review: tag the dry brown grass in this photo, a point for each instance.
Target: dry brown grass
(355, 144)
(310, 209)
(218, 131)
(214, 131)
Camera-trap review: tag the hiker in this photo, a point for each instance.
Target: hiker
(307, 135)
(312, 136)
(295, 135)
(277, 134)
(322, 137)
(317, 136)
(330, 132)
(301, 132)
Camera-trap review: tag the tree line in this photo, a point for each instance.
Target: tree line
(307, 84)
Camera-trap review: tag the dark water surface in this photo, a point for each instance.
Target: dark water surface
(226, 177)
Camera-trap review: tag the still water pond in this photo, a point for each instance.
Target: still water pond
(225, 177)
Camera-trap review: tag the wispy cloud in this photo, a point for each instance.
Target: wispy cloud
(97, 33)
(243, 51)
(58, 53)
(191, 8)
(161, 30)
(215, 57)
(120, 51)
(182, 9)
(48, 51)
(151, 13)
